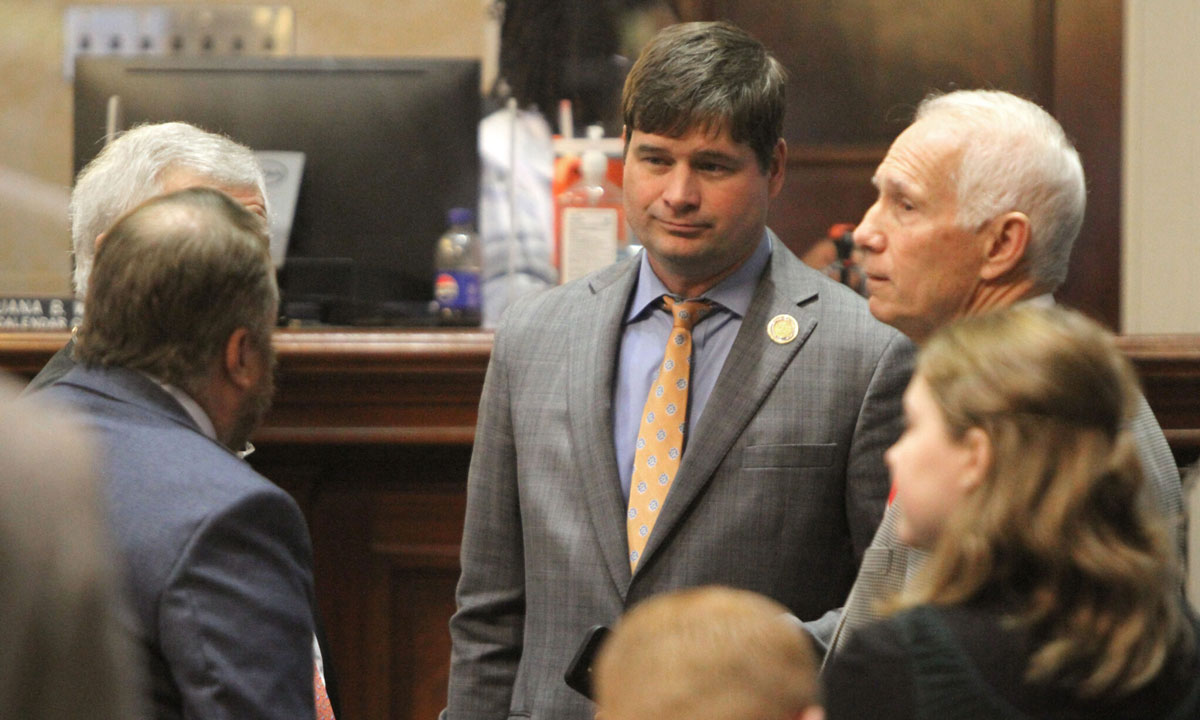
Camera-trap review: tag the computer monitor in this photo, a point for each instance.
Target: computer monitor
(389, 147)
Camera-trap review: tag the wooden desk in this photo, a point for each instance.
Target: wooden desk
(372, 432)
(1169, 367)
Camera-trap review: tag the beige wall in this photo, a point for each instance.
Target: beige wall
(1161, 194)
(35, 106)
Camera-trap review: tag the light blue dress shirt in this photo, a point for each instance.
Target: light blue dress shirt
(644, 339)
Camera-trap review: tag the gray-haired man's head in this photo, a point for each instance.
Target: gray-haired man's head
(150, 160)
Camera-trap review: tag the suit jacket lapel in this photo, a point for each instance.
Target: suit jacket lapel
(754, 365)
(593, 358)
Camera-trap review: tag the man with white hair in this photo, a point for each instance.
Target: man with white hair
(980, 201)
(176, 371)
(143, 162)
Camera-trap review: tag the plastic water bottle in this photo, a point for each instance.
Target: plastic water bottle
(456, 271)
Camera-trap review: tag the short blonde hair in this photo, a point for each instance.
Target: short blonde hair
(714, 653)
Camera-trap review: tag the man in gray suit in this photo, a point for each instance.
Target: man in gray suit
(143, 162)
(176, 370)
(792, 396)
(980, 201)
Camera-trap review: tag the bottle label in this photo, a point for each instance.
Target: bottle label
(457, 289)
(589, 240)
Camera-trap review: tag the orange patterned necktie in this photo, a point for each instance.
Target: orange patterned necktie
(324, 708)
(663, 428)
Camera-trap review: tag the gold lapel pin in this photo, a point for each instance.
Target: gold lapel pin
(783, 329)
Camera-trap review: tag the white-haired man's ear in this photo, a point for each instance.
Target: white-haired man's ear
(1007, 245)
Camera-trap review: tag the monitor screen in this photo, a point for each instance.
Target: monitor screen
(389, 146)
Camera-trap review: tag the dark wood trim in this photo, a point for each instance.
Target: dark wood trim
(23, 354)
(413, 387)
(820, 156)
(1169, 368)
(356, 351)
(343, 352)
(1043, 49)
(421, 387)
(410, 387)
(1087, 69)
(1179, 353)
(692, 10)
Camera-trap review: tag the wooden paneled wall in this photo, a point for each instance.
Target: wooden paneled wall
(858, 68)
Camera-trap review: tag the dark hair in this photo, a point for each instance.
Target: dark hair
(710, 75)
(173, 279)
(552, 50)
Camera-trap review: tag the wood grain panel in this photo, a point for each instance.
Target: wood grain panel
(386, 521)
(858, 68)
(1087, 101)
(1169, 368)
(823, 186)
(377, 387)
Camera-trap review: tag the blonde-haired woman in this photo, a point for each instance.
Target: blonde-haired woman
(1050, 592)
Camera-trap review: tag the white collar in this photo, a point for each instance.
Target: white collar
(196, 413)
(190, 406)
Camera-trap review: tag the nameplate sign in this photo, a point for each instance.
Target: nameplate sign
(40, 313)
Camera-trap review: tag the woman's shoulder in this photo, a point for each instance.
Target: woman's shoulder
(998, 650)
(870, 676)
(878, 671)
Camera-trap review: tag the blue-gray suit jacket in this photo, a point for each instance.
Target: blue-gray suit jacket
(218, 560)
(779, 491)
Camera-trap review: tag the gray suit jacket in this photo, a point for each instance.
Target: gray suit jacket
(217, 559)
(780, 489)
(889, 563)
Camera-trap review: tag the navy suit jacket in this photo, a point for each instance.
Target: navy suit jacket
(218, 560)
(60, 364)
